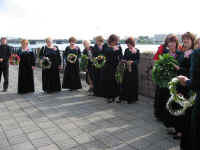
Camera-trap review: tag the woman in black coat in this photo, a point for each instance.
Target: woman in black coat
(88, 51)
(113, 53)
(98, 51)
(51, 77)
(129, 88)
(26, 67)
(162, 94)
(71, 79)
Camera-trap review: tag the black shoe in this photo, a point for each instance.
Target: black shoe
(118, 101)
(4, 90)
(110, 101)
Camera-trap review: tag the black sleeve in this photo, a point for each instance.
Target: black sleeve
(194, 82)
(136, 62)
(65, 53)
(79, 53)
(33, 58)
(41, 53)
(58, 56)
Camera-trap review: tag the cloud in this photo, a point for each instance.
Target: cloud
(88, 18)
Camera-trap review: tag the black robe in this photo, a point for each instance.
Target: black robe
(97, 73)
(129, 88)
(192, 142)
(25, 75)
(110, 88)
(51, 77)
(90, 67)
(71, 79)
(161, 98)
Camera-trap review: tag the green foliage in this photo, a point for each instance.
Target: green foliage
(164, 70)
(121, 68)
(83, 62)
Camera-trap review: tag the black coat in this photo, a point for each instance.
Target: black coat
(5, 52)
(110, 88)
(71, 79)
(97, 73)
(129, 88)
(25, 75)
(51, 77)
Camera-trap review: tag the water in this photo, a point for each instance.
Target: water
(142, 48)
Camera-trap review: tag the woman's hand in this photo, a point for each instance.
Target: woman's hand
(176, 67)
(1, 59)
(183, 80)
(59, 67)
(33, 67)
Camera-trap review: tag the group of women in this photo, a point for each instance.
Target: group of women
(184, 127)
(101, 80)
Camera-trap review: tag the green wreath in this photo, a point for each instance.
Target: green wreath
(178, 104)
(71, 58)
(99, 61)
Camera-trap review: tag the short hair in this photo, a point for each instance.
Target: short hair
(48, 39)
(86, 41)
(130, 41)
(24, 41)
(99, 38)
(113, 38)
(3, 38)
(190, 36)
(171, 38)
(72, 39)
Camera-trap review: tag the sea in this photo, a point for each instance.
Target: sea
(142, 47)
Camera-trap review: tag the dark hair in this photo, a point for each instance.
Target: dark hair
(171, 38)
(190, 36)
(3, 38)
(113, 38)
(130, 41)
(72, 39)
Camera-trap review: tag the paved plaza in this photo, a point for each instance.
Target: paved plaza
(75, 121)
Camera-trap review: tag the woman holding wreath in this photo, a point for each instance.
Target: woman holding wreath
(71, 79)
(51, 76)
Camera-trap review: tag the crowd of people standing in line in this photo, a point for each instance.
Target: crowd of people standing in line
(102, 81)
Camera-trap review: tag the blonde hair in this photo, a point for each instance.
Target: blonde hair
(86, 41)
(24, 41)
(48, 39)
(99, 38)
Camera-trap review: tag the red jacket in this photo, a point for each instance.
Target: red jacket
(159, 52)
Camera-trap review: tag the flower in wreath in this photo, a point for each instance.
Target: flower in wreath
(99, 61)
(71, 58)
(14, 59)
(45, 63)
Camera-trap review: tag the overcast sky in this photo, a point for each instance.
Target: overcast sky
(87, 18)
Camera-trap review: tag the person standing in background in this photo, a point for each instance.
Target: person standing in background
(5, 52)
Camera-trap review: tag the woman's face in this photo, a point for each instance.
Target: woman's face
(187, 42)
(24, 45)
(49, 42)
(113, 43)
(72, 43)
(172, 46)
(86, 44)
(99, 43)
(198, 43)
(129, 46)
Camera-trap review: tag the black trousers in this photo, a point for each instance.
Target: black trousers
(4, 70)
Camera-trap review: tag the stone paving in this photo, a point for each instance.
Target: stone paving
(75, 121)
